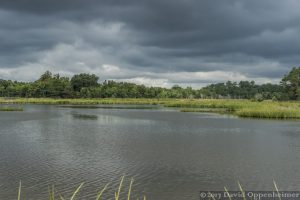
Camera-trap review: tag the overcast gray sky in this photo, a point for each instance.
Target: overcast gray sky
(154, 42)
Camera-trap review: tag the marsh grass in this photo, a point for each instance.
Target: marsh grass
(54, 194)
(10, 109)
(134, 107)
(270, 113)
(206, 110)
(94, 101)
(241, 108)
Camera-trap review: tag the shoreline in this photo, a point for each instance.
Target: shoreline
(241, 108)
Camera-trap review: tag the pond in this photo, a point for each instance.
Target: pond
(170, 154)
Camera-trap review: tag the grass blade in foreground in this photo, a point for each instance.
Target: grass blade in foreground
(130, 188)
(275, 185)
(19, 192)
(76, 191)
(117, 194)
(101, 192)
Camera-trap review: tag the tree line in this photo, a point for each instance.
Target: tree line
(87, 86)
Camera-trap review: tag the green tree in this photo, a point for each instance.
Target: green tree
(80, 81)
(49, 85)
(291, 84)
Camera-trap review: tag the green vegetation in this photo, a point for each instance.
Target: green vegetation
(242, 108)
(135, 107)
(94, 101)
(10, 109)
(229, 105)
(291, 84)
(87, 86)
(243, 99)
(54, 194)
(205, 110)
(271, 112)
(120, 193)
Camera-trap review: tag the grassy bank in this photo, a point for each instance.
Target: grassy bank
(79, 101)
(241, 108)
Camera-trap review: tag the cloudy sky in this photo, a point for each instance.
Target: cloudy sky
(154, 42)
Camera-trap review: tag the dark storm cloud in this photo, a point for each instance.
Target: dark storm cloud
(258, 39)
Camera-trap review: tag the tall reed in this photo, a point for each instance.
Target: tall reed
(55, 195)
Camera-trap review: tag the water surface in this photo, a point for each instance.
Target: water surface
(171, 155)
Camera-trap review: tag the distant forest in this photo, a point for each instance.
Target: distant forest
(87, 86)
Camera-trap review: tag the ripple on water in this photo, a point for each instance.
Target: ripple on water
(171, 155)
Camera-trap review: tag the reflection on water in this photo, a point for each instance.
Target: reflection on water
(84, 116)
(171, 155)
